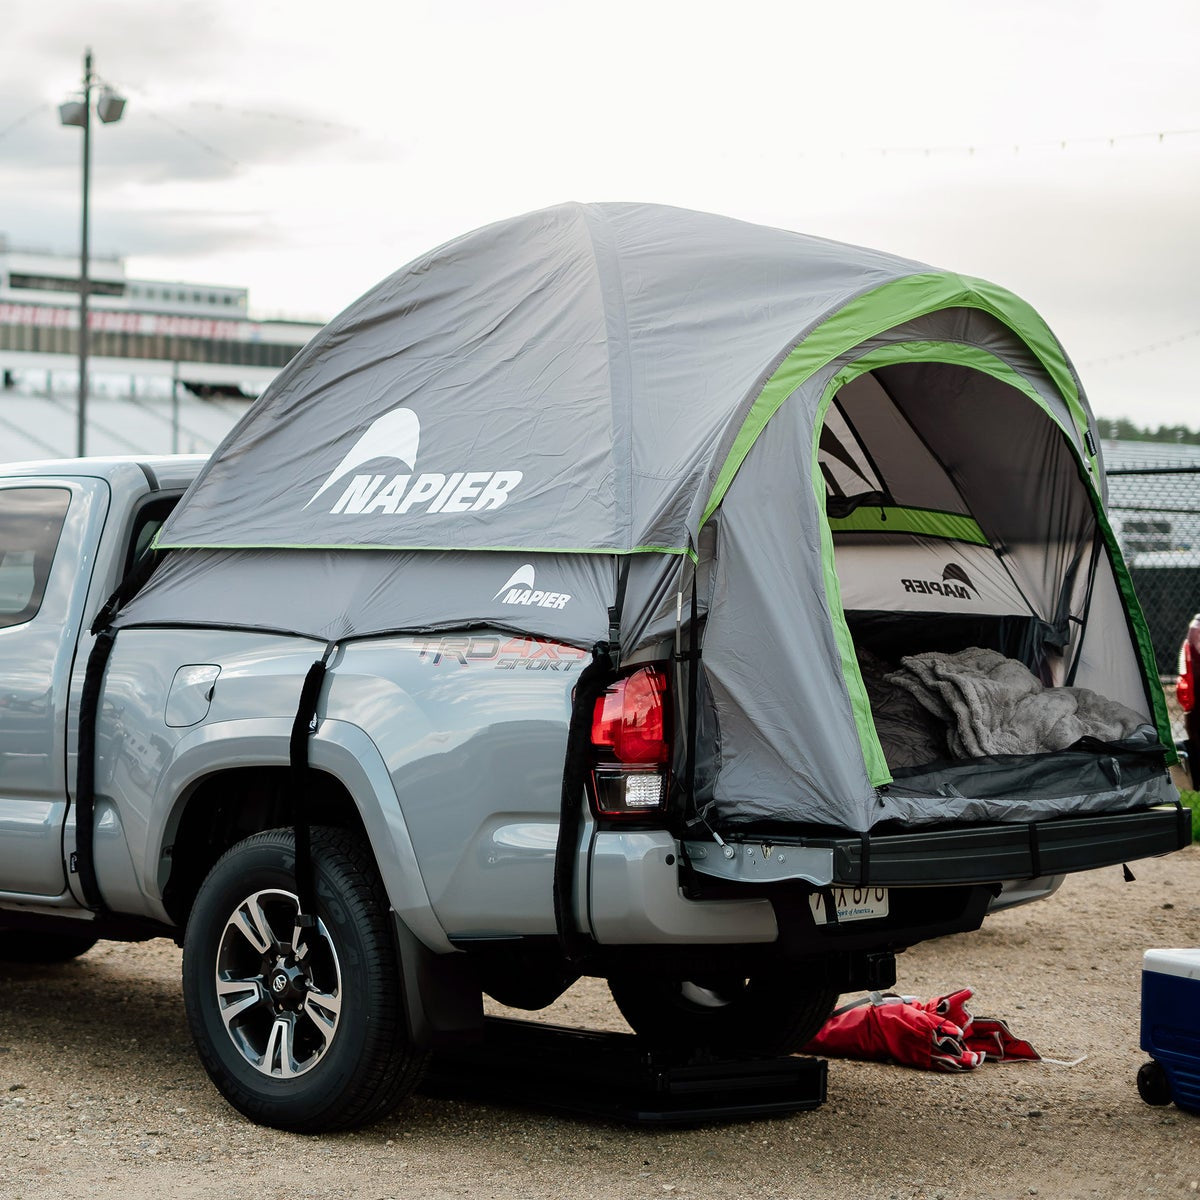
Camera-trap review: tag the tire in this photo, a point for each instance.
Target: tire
(767, 1014)
(18, 946)
(310, 1042)
(1153, 1085)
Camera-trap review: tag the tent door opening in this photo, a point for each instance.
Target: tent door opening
(960, 521)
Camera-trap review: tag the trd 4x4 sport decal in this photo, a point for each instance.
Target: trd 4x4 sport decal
(498, 653)
(397, 435)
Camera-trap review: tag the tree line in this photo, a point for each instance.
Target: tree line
(1123, 429)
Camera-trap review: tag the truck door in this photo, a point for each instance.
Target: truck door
(46, 559)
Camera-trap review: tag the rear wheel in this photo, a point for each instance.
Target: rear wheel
(21, 946)
(767, 1013)
(299, 1029)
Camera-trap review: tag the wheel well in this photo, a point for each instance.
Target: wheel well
(231, 805)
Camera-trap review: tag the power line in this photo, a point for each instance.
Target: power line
(37, 108)
(150, 112)
(153, 113)
(970, 150)
(1139, 351)
(282, 118)
(207, 146)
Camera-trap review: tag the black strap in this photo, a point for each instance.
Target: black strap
(871, 998)
(85, 771)
(302, 728)
(1035, 852)
(128, 588)
(593, 682)
(614, 613)
(83, 861)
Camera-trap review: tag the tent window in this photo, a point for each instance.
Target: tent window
(851, 478)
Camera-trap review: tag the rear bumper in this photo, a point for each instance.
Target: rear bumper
(975, 854)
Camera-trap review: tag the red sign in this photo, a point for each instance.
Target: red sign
(109, 321)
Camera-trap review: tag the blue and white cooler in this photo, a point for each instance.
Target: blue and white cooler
(1171, 1028)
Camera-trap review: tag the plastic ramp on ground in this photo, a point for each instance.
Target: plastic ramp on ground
(613, 1076)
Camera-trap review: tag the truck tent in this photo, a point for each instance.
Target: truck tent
(851, 456)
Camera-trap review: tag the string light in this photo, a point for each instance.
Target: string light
(37, 108)
(1111, 141)
(208, 146)
(1139, 351)
(283, 118)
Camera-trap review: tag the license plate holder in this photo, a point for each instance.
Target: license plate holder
(852, 904)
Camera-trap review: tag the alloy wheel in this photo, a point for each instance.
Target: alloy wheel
(279, 986)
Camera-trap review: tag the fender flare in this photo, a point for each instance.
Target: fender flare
(340, 749)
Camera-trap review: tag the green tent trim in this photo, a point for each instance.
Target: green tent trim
(683, 551)
(928, 522)
(877, 311)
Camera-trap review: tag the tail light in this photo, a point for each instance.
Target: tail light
(631, 745)
(1185, 688)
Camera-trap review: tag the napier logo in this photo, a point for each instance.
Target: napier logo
(520, 590)
(955, 584)
(397, 435)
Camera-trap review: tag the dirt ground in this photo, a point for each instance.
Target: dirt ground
(102, 1096)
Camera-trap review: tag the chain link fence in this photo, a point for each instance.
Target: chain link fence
(1154, 507)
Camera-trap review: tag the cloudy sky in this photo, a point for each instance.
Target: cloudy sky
(307, 149)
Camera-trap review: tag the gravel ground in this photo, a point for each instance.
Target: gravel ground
(102, 1096)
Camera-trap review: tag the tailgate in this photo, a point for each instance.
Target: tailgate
(985, 853)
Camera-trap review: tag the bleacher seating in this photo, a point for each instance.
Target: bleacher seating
(34, 427)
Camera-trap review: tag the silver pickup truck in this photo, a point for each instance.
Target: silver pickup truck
(436, 770)
(614, 591)
(191, 801)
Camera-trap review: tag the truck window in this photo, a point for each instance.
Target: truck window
(146, 524)
(31, 520)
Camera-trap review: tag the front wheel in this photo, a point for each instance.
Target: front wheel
(299, 1029)
(766, 1014)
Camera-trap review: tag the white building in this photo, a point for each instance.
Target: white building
(154, 347)
(200, 334)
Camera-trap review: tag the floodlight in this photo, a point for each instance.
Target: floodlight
(73, 112)
(110, 106)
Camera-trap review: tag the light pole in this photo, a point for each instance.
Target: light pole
(109, 108)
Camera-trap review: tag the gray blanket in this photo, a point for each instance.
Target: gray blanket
(909, 733)
(994, 705)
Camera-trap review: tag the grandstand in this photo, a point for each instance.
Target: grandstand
(172, 365)
(40, 426)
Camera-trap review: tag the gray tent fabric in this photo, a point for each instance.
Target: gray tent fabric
(573, 370)
(500, 431)
(333, 595)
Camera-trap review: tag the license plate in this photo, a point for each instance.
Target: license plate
(852, 904)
